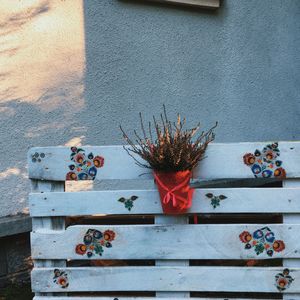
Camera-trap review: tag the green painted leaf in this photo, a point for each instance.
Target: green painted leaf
(222, 197)
(209, 195)
(134, 198)
(122, 200)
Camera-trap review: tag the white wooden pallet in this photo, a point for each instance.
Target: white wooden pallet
(171, 241)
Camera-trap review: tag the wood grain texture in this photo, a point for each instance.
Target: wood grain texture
(222, 161)
(239, 200)
(226, 279)
(166, 242)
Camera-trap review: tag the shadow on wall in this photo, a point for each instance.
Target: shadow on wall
(42, 58)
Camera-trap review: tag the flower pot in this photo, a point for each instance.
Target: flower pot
(175, 192)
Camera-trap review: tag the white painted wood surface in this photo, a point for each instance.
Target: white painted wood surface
(167, 242)
(292, 219)
(222, 161)
(48, 223)
(168, 222)
(226, 279)
(239, 200)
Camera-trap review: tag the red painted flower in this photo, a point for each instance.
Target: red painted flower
(282, 283)
(245, 237)
(109, 235)
(71, 176)
(98, 161)
(270, 155)
(63, 281)
(278, 246)
(280, 172)
(79, 158)
(249, 159)
(80, 249)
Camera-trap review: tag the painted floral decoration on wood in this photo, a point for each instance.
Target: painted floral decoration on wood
(265, 163)
(128, 202)
(61, 278)
(261, 240)
(84, 167)
(94, 241)
(283, 280)
(215, 200)
(37, 157)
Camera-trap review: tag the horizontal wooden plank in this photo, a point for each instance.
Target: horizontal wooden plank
(143, 298)
(12, 225)
(225, 279)
(238, 200)
(213, 241)
(222, 161)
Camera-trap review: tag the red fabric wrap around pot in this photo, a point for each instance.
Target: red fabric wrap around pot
(175, 192)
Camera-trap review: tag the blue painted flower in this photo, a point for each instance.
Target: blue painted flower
(258, 234)
(270, 237)
(92, 171)
(87, 239)
(97, 234)
(82, 176)
(267, 173)
(256, 169)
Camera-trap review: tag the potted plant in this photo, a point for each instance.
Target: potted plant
(172, 153)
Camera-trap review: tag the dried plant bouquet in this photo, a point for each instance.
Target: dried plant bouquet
(172, 152)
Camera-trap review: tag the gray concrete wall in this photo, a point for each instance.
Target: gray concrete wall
(239, 65)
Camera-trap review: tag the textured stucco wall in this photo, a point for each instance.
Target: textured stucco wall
(239, 65)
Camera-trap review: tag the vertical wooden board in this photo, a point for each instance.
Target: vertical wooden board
(291, 219)
(172, 220)
(54, 223)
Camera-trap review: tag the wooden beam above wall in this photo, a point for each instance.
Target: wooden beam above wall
(212, 4)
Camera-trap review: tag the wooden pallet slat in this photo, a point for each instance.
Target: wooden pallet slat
(222, 161)
(176, 279)
(167, 242)
(238, 200)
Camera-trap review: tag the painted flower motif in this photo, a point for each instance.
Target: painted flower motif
(262, 240)
(269, 156)
(245, 237)
(215, 200)
(265, 163)
(249, 159)
(98, 161)
(61, 278)
(94, 241)
(278, 246)
(83, 167)
(71, 176)
(109, 235)
(79, 158)
(128, 203)
(81, 249)
(283, 280)
(280, 172)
